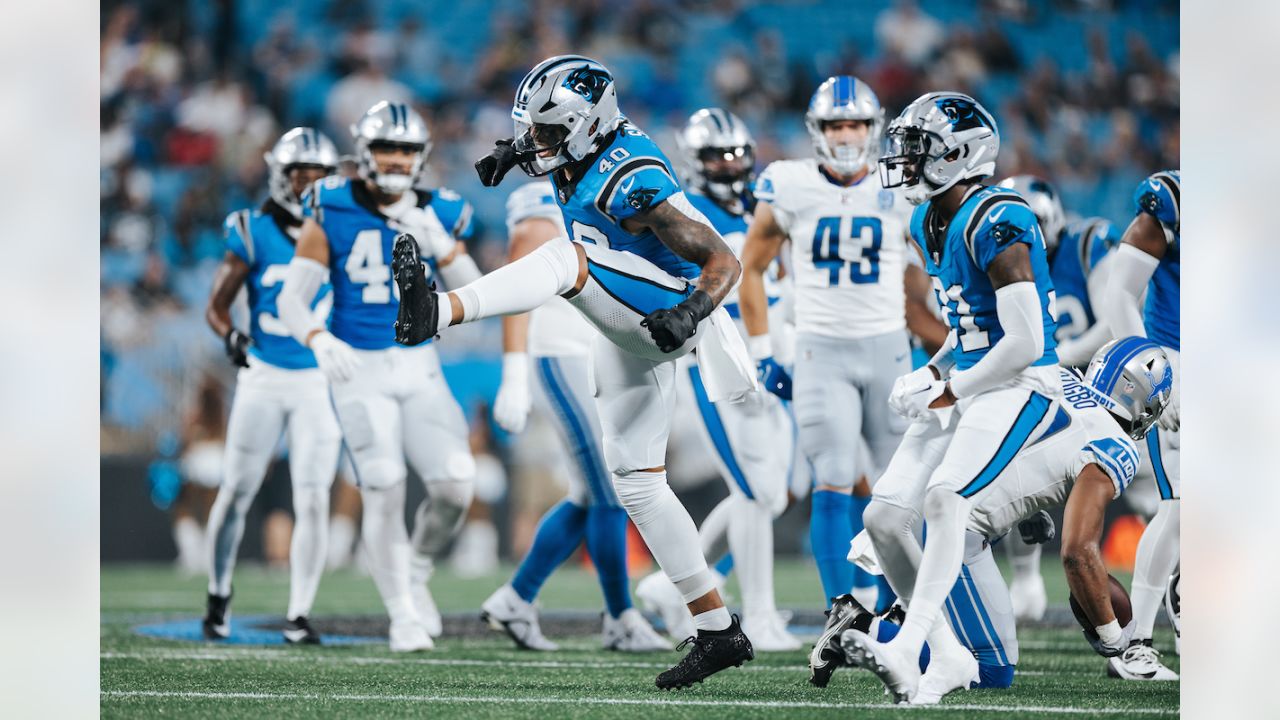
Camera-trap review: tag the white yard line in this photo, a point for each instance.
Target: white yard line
(489, 700)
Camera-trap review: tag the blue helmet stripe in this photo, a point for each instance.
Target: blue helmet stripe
(1113, 365)
(842, 90)
(715, 117)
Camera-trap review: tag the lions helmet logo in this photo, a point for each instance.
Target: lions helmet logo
(963, 114)
(588, 82)
(1163, 385)
(641, 198)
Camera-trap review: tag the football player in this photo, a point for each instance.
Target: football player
(1085, 459)
(1149, 260)
(983, 397)
(849, 255)
(752, 440)
(649, 271)
(391, 402)
(1077, 253)
(277, 387)
(555, 342)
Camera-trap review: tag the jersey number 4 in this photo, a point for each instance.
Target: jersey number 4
(862, 253)
(365, 266)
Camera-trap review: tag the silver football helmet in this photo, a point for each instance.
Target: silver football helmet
(719, 153)
(563, 107)
(299, 146)
(1045, 203)
(1132, 377)
(939, 140)
(844, 97)
(389, 123)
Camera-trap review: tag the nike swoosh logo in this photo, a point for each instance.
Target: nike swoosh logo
(899, 358)
(996, 215)
(626, 187)
(295, 635)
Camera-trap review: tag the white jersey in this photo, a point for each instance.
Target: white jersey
(848, 249)
(555, 328)
(1042, 475)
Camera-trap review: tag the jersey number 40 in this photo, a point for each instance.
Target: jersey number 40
(861, 253)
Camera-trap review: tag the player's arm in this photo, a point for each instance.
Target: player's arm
(302, 281)
(512, 405)
(1135, 261)
(227, 281)
(1086, 572)
(763, 242)
(921, 320)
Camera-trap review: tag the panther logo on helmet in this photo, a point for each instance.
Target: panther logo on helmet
(963, 114)
(588, 82)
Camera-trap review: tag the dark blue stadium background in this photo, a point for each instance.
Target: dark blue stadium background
(193, 91)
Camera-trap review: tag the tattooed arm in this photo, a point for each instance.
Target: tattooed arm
(686, 231)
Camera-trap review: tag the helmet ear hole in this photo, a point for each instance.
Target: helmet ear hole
(594, 126)
(952, 156)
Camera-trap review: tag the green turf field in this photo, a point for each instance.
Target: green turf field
(485, 677)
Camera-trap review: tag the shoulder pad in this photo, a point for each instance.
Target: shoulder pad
(1001, 217)
(635, 183)
(1118, 457)
(454, 212)
(239, 234)
(1160, 196)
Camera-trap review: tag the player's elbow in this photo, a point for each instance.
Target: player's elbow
(1078, 555)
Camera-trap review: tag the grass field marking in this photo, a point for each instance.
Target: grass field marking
(469, 699)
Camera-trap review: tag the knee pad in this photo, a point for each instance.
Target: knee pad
(379, 473)
(639, 491)
(455, 494)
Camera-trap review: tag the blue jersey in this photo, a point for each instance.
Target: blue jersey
(1081, 246)
(989, 221)
(258, 238)
(733, 228)
(625, 177)
(1160, 197)
(365, 298)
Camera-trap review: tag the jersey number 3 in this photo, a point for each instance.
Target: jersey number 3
(862, 253)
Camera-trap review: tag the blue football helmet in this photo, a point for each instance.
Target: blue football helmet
(1132, 377)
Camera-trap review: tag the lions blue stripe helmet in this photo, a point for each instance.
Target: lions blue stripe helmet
(844, 97)
(1132, 377)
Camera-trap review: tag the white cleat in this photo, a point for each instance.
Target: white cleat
(769, 634)
(420, 574)
(506, 611)
(410, 636)
(657, 594)
(945, 675)
(900, 674)
(1028, 597)
(630, 632)
(1139, 661)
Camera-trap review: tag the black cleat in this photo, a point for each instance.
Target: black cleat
(827, 656)
(217, 625)
(299, 632)
(712, 652)
(419, 309)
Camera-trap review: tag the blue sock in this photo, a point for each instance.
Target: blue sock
(829, 535)
(725, 566)
(861, 578)
(989, 676)
(558, 535)
(885, 597)
(607, 543)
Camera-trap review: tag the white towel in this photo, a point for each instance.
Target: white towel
(863, 554)
(727, 370)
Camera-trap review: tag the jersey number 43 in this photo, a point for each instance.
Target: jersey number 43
(861, 240)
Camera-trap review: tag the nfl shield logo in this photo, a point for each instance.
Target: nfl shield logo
(886, 199)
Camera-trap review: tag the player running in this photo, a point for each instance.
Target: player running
(1149, 260)
(555, 342)
(277, 387)
(391, 402)
(649, 271)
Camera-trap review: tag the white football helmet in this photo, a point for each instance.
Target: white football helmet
(1045, 203)
(563, 107)
(299, 146)
(844, 97)
(719, 137)
(391, 124)
(939, 140)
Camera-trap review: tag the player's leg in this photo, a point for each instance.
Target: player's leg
(829, 415)
(435, 441)
(314, 445)
(1027, 591)
(635, 399)
(254, 427)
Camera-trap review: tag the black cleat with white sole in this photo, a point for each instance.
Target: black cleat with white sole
(215, 624)
(827, 656)
(419, 311)
(298, 631)
(712, 652)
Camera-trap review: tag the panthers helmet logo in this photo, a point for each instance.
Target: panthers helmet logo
(588, 82)
(641, 198)
(963, 114)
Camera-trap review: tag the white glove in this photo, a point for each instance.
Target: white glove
(1169, 419)
(916, 403)
(906, 384)
(336, 359)
(511, 408)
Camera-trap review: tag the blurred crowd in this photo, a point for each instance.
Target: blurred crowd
(192, 93)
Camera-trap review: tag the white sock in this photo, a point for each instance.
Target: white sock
(307, 547)
(386, 544)
(226, 527)
(342, 535)
(713, 620)
(751, 540)
(667, 529)
(945, 514)
(521, 285)
(189, 537)
(1158, 553)
(714, 531)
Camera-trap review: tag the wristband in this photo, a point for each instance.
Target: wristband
(1110, 634)
(759, 347)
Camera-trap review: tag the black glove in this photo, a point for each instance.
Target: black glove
(236, 344)
(1037, 529)
(671, 327)
(493, 167)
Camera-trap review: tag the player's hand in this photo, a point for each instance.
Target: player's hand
(774, 378)
(1169, 420)
(672, 327)
(908, 383)
(493, 167)
(511, 408)
(922, 403)
(336, 359)
(1037, 529)
(236, 344)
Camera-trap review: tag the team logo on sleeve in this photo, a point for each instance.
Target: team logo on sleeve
(1150, 202)
(1005, 232)
(886, 199)
(641, 198)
